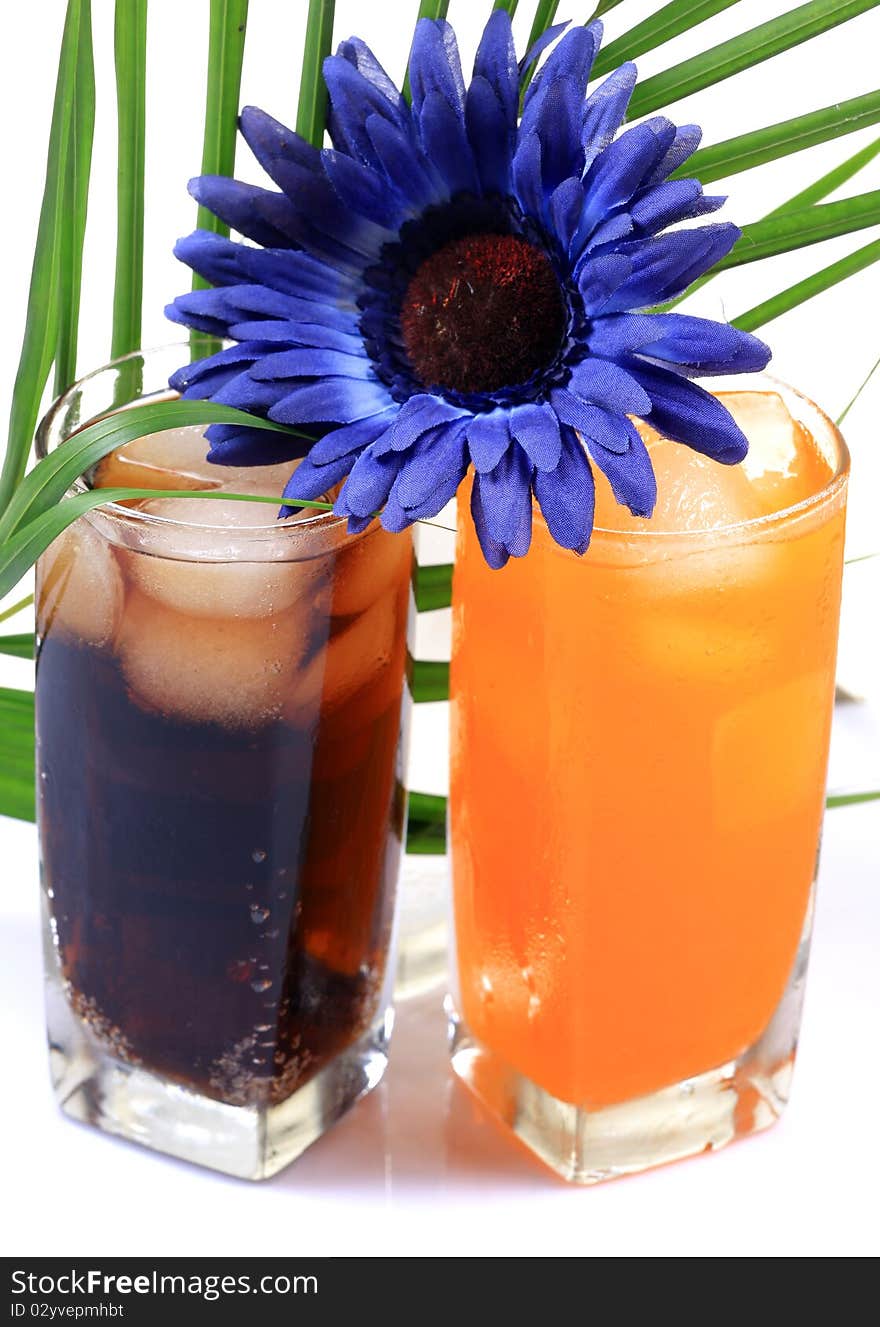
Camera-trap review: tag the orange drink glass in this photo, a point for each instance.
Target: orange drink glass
(639, 750)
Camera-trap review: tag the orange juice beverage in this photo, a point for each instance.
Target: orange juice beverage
(639, 749)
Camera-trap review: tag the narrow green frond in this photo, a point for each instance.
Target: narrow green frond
(131, 79)
(41, 326)
(851, 799)
(670, 21)
(430, 680)
(18, 607)
(545, 13)
(827, 184)
(20, 646)
(785, 231)
(743, 52)
(813, 285)
(434, 587)
(226, 41)
(50, 478)
(311, 117)
(847, 408)
(76, 198)
(721, 160)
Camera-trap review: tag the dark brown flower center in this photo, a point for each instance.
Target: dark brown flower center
(482, 313)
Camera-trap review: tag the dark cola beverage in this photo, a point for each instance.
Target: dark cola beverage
(219, 762)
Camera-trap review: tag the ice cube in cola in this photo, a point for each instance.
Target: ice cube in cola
(221, 854)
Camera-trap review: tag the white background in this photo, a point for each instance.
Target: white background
(417, 1168)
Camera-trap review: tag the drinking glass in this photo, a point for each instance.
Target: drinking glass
(639, 749)
(220, 709)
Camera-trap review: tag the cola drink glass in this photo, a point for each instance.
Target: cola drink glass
(221, 701)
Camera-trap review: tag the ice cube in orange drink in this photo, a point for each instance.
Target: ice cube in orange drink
(639, 743)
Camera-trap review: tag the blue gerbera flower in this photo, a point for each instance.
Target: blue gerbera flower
(456, 284)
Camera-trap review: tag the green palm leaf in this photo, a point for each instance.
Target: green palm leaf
(76, 197)
(51, 477)
(41, 328)
(784, 231)
(743, 52)
(20, 646)
(312, 112)
(670, 21)
(434, 587)
(226, 39)
(780, 140)
(810, 286)
(131, 65)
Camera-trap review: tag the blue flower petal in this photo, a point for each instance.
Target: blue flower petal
(601, 382)
(365, 191)
(536, 429)
(345, 337)
(572, 57)
(595, 423)
(664, 266)
(271, 141)
(233, 357)
(333, 400)
(567, 496)
(554, 117)
(368, 485)
(445, 143)
(439, 457)
(495, 62)
(308, 362)
(684, 412)
(435, 66)
(403, 165)
(488, 439)
(604, 111)
(415, 417)
(342, 442)
(490, 136)
(354, 98)
(313, 481)
(253, 447)
(684, 143)
(213, 256)
(528, 185)
(506, 496)
(674, 200)
(540, 44)
(493, 550)
(630, 473)
(599, 277)
(615, 175)
(699, 345)
(263, 216)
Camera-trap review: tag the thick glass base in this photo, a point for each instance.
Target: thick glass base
(250, 1142)
(701, 1114)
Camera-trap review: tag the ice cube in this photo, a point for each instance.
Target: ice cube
(207, 572)
(177, 458)
(204, 669)
(783, 467)
(366, 567)
(79, 586)
(367, 651)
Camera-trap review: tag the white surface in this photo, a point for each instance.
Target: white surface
(417, 1168)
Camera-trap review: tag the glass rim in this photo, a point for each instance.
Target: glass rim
(318, 521)
(837, 479)
(327, 520)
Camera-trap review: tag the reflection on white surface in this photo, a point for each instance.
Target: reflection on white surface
(418, 1167)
